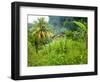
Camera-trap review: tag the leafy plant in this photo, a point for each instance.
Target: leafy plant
(48, 48)
(84, 28)
(81, 25)
(41, 32)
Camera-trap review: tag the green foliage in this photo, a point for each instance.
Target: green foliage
(69, 34)
(66, 48)
(60, 52)
(81, 25)
(41, 33)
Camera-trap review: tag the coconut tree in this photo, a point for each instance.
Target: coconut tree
(41, 32)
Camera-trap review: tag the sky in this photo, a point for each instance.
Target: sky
(32, 18)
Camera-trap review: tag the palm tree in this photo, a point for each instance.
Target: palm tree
(41, 32)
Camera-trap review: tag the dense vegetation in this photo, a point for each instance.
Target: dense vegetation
(47, 46)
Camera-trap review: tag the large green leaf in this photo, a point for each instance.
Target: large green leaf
(81, 25)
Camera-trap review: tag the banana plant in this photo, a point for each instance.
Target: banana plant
(82, 26)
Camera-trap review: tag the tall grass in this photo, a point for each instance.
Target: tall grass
(60, 51)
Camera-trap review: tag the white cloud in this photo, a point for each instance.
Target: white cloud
(32, 18)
